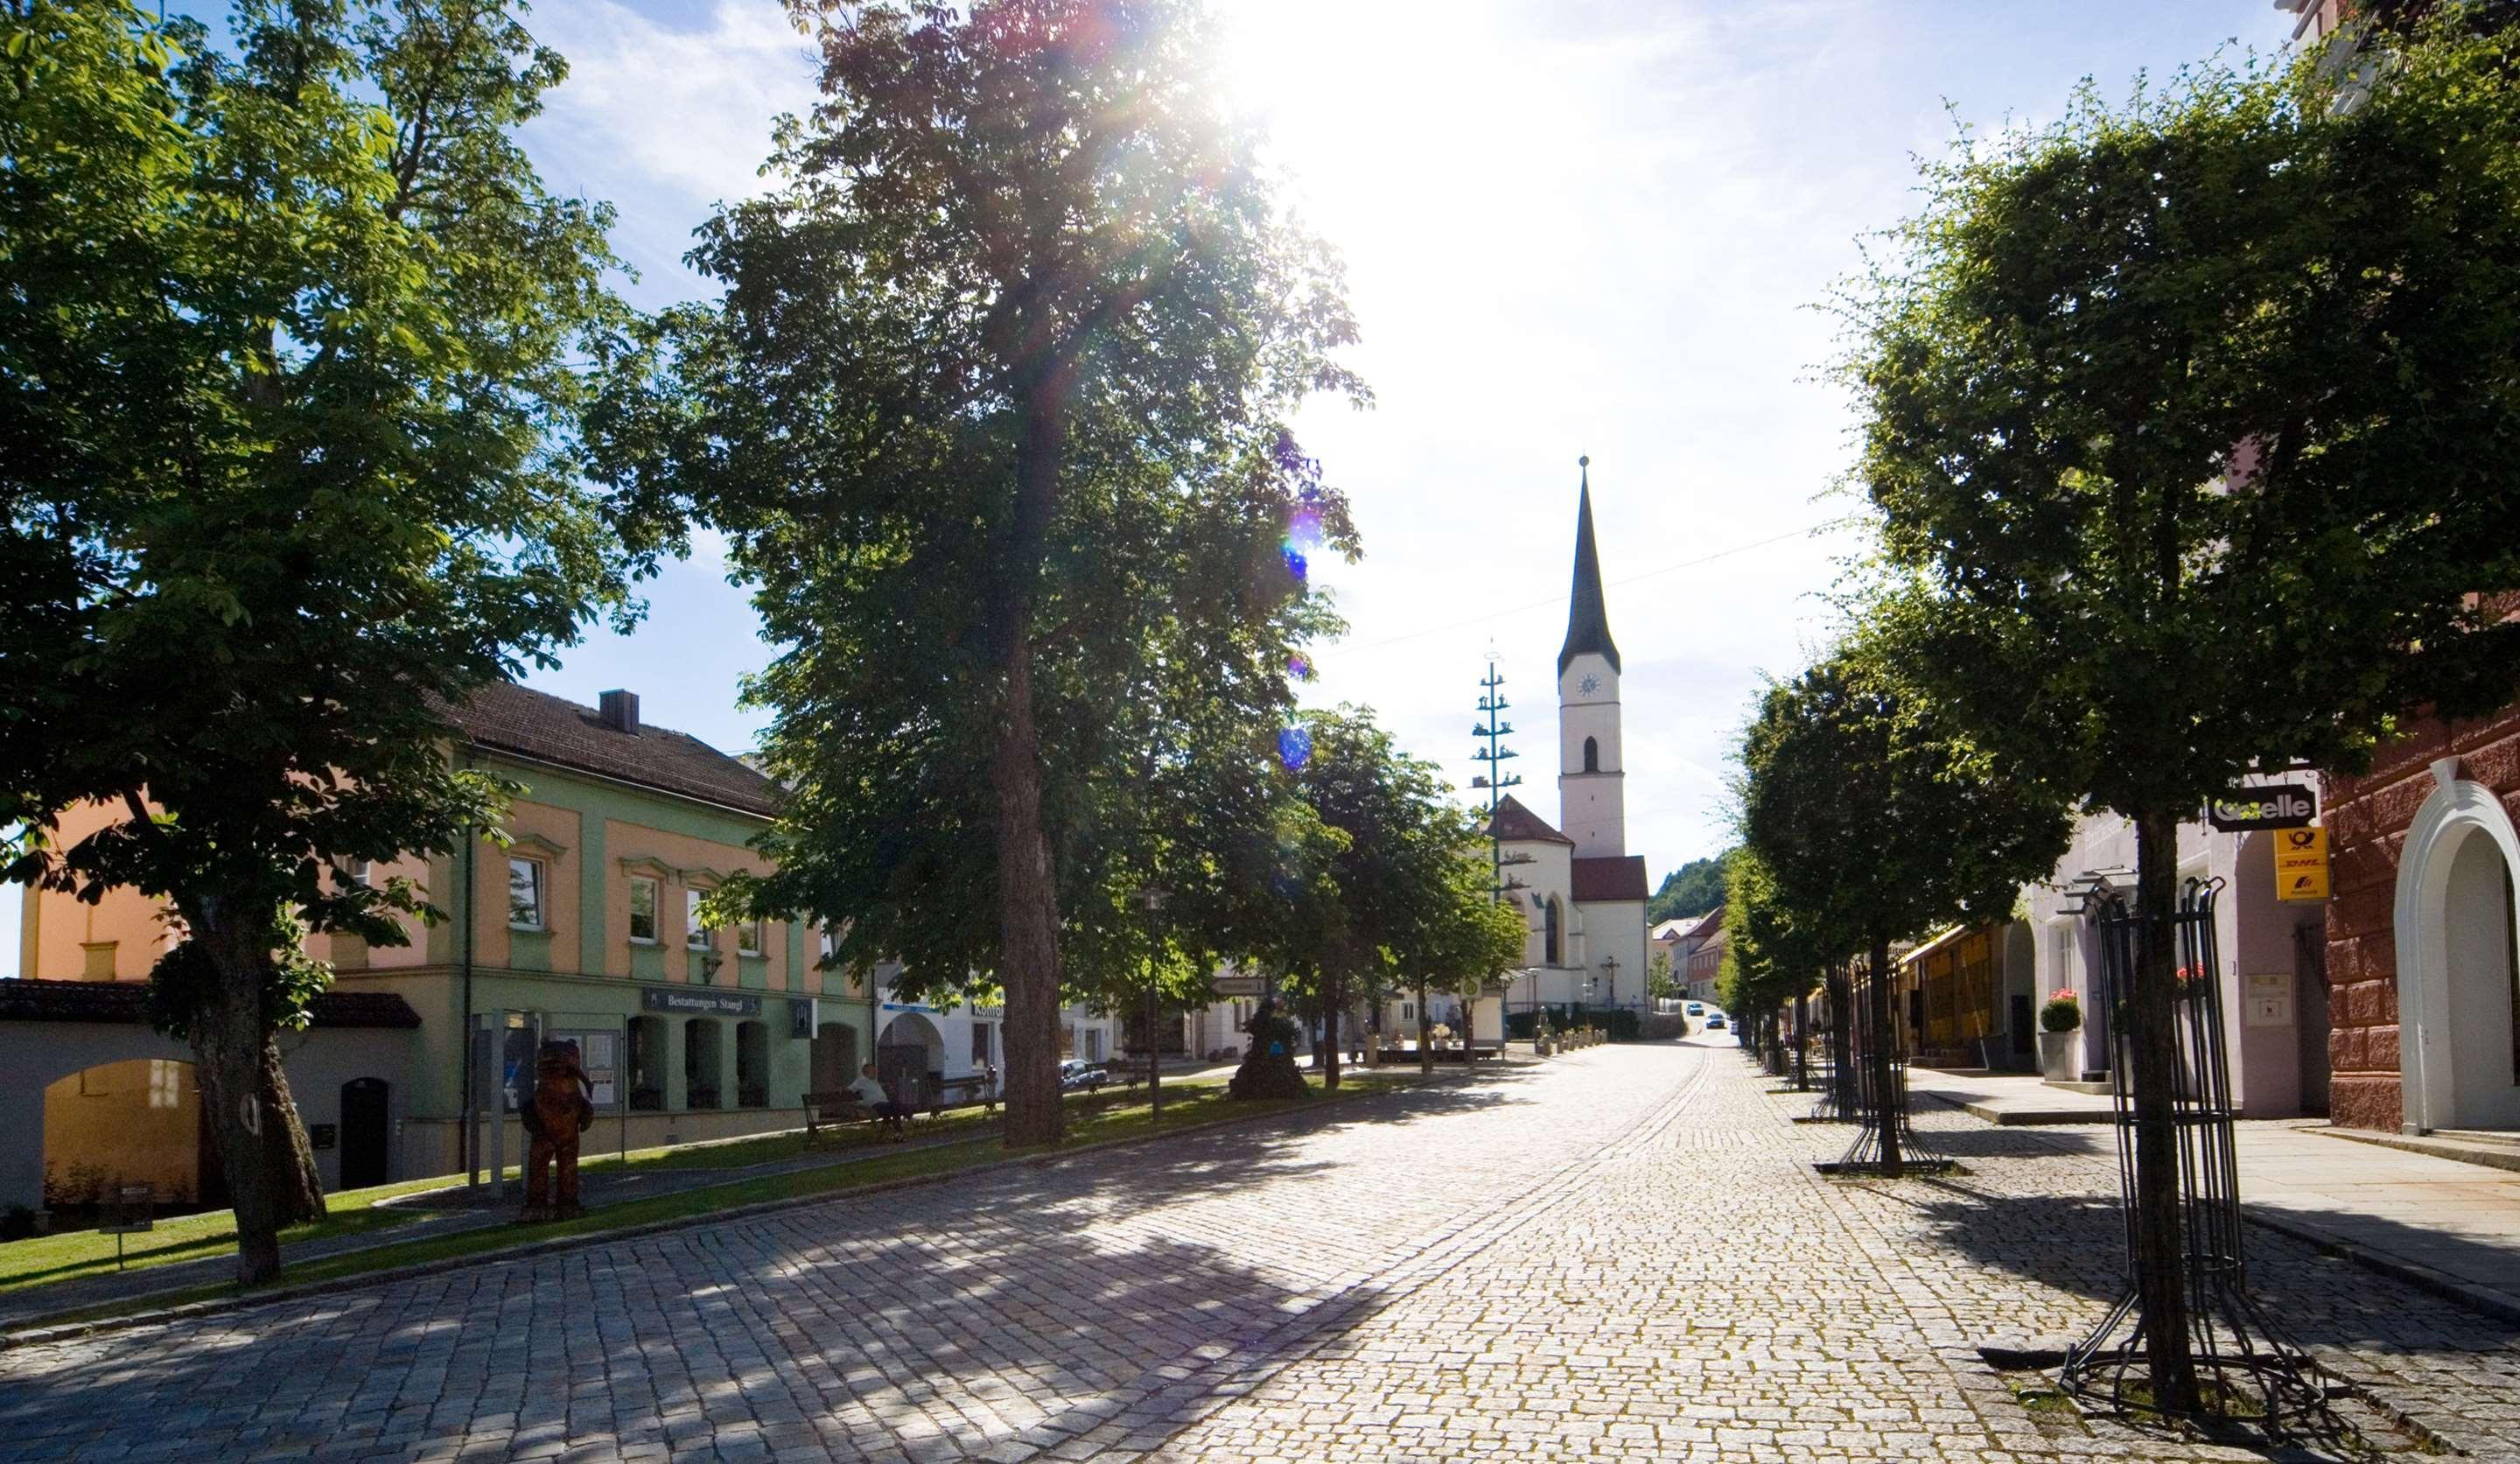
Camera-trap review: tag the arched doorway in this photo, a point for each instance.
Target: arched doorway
(909, 1057)
(129, 1122)
(2458, 963)
(365, 1133)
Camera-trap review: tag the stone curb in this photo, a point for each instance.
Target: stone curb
(2422, 1277)
(214, 1305)
(2486, 1300)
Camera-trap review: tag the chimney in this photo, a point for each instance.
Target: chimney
(619, 710)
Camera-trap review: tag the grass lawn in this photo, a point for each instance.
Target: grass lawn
(1096, 1118)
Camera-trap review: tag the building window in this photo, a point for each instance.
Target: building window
(1551, 929)
(644, 892)
(979, 1044)
(363, 874)
(696, 931)
(747, 938)
(1592, 754)
(525, 894)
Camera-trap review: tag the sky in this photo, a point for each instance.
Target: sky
(1571, 227)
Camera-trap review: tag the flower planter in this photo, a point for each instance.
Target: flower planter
(2060, 1055)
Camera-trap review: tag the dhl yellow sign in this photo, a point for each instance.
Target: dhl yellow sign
(2301, 864)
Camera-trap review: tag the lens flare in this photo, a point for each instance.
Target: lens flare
(1294, 747)
(1295, 561)
(1300, 667)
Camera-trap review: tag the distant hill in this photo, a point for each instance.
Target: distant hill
(1688, 891)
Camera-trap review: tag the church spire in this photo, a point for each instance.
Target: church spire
(1588, 618)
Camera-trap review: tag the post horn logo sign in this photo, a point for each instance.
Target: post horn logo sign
(2301, 865)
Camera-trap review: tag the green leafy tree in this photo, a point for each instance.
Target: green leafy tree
(1462, 935)
(994, 389)
(1692, 890)
(1395, 866)
(1769, 958)
(2191, 424)
(296, 343)
(1661, 979)
(1873, 820)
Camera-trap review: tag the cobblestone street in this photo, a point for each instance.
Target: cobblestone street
(1618, 1254)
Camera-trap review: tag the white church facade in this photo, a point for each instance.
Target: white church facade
(1583, 894)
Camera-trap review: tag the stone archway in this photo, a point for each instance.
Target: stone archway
(2459, 1045)
(910, 1057)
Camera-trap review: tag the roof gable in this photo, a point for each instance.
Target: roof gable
(1515, 824)
(504, 717)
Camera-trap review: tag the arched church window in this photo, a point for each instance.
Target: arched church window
(1553, 924)
(1592, 754)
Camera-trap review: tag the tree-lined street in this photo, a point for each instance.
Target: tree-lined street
(1618, 1254)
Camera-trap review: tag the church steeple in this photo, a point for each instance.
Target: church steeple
(1588, 618)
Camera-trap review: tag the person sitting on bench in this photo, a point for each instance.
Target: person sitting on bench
(870, 1092)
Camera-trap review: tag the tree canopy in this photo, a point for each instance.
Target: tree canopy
(2190, 426)
(991, 412)
(296, 345)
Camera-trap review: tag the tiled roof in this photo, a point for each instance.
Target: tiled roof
(1608, 877)
(1514, 822)
(507, 718)
(128, 1001)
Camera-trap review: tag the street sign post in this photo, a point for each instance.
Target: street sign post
(133, 1210)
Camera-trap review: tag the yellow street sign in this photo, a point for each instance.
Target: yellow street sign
(2301, 864)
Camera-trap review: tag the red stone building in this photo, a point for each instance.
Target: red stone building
(2421, 936)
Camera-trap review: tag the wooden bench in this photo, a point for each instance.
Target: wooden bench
(1482, 1047)
(1128, 1071)
(828, 1112)
(960, 1092)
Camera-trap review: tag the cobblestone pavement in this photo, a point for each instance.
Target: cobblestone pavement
(1618, 1254)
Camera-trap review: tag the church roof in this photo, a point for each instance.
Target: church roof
(1514, 822)
(1608, 877)
(1587, 617)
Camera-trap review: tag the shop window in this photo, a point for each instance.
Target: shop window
(979, 1044)
(643, 896)
(525, 894)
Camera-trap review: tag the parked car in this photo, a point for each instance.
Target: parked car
(1695, 1009)
(1078, 1076)
(1715, 1023)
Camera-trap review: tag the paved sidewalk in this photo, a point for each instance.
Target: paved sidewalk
(1621, 1255)
(2451, 1227)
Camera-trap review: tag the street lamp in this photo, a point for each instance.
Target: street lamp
(1153, 897)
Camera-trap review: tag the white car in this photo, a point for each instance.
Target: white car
(1695, 1009)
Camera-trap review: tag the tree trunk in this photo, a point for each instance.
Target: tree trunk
(1333, 999)
(1028, 921)
(1841, 1040)
(1425, 1036)
(1802, 1049)
(2151, 1012)
(1885, 1103)
(262, 1148)
(1027, 889)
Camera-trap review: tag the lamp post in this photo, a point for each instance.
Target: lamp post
(1153, 897)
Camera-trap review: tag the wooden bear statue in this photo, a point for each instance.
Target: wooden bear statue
(561, 1109)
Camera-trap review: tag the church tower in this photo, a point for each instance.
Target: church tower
(1592, 795)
